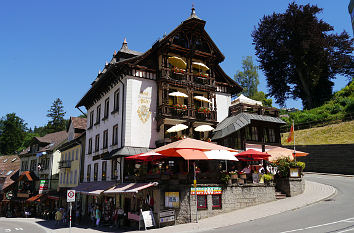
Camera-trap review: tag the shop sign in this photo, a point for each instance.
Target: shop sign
(207, 190)
(43, 186)
(294, 172)
(172, 199)
(167, 216)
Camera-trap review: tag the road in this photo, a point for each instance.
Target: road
(13, 226)
(333, 215)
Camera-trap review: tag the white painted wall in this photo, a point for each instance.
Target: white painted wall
(223, 102)
(141, 104)
(55, 162)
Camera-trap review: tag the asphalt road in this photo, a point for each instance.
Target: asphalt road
(14, 226)
(333, 215)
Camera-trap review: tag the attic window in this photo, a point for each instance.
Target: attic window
(5, 160)
(13, 160)
(9, 172)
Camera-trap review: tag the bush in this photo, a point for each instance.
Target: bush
(268, 177)
(284, 165)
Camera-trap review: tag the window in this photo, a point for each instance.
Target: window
(95, 172)
(247, 132)
(254, 134)
(91, 120)
(9, 172)
(105, 139)
(106, 108)
(115, 135)
(265, 135)
(116, 101)
(202, 201)
(69, 157)
(33, 165)
(104, 170)
(67, 177)
(77, 154)
(88, 174)
(89, 149)
(66, 156)
(75, 176)
(97, 143)
(216, 199)
(98, 114)
(61, 177)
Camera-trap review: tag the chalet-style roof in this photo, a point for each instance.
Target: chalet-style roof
(232, 124)
(9, 167)
(126, 58)
(78, 122)
(51, 141)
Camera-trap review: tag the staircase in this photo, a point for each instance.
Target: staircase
(280, 195)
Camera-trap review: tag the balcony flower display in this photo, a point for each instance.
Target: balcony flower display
(178, 70)
(203, 75)
(181, 107)
(203, 110)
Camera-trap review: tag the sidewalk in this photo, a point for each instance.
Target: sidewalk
(314, 192)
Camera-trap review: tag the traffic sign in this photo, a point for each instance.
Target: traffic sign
(70, 197)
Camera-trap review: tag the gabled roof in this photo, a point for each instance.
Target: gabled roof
(9, 166)
(232, 124)
(52, 141)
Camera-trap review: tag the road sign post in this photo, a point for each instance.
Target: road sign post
(70, 197)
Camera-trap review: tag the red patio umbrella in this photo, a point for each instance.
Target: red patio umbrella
(252, 155)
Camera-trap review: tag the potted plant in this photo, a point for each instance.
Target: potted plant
(180, 107)
(204, 110)
(268, 178)
(242, 175)
(225, 177)
(233, 175)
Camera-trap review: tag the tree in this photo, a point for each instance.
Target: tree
(248, 78)
(300, 56)
(56, 113)
(13, 131)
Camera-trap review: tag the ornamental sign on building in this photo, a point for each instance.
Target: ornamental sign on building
(207, 191)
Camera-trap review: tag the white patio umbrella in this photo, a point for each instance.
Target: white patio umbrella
(202, 98)
(221, 155)
(200, 66)
(203, 128)
(177, 128)
(178, 94)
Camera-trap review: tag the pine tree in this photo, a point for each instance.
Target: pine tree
(13, 131)
(56, 114)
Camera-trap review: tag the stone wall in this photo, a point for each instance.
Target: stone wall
(290, 186)
(233, 197)
(336, 158)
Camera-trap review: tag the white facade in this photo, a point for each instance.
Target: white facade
(223, 102)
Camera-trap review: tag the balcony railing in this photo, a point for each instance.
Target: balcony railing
(190, 113)
(65, 164)
(183, 77)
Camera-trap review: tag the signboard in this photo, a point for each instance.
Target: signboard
(207, 191)
(148, 218)
(43, 186)
(70, 197)
(294, 172)
(172, 199)
(167, 216)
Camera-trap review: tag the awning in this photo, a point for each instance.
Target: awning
(129, 187)
(52, 197)
(35, 198)
(94, 188)
(125, 151)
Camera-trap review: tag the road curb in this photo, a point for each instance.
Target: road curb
(328, 174)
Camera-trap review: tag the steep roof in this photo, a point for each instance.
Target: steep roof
(9, 166)
(53, 140)
(78, 122)
(232, 124)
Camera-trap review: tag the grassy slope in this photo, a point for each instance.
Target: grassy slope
(342, 133)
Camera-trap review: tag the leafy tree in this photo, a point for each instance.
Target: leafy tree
(13, 131)
(56, 113)
(300, 56)
(248, 78)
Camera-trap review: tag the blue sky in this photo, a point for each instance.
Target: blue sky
(51, 49)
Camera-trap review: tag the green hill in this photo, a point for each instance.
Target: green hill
(341, 133)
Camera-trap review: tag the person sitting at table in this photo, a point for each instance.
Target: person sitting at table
(247, 170)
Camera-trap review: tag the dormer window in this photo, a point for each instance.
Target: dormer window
(181, 40)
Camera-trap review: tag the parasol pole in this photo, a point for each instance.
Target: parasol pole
(195, 193)
(226, 165)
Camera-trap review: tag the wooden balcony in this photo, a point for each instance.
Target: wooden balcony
(191, 113)
(253, 109)
(184, 78)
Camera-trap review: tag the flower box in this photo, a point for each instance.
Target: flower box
(203, 110)
(234, 176)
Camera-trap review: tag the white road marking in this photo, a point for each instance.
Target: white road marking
(19, 229)
(321, 225)
(7, 230)
(352, 229)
